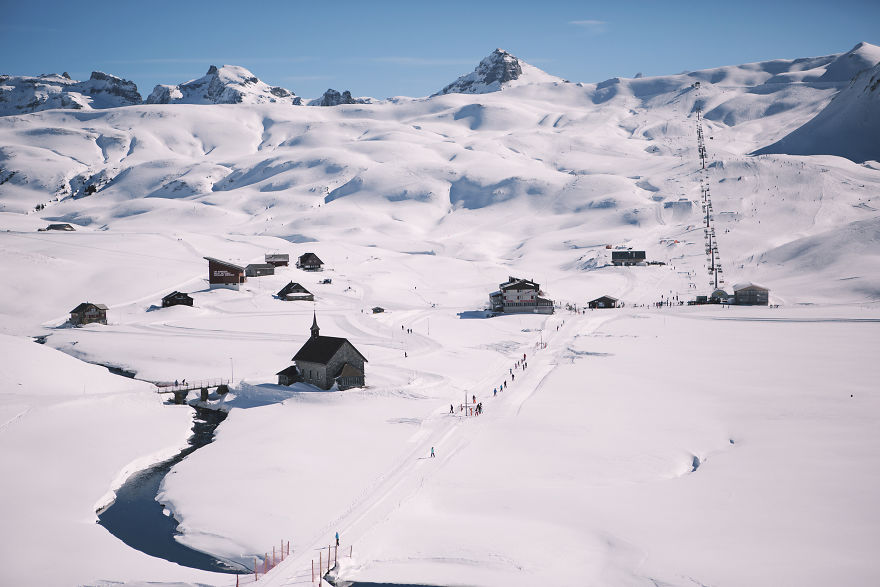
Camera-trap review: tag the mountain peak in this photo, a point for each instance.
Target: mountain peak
(499, 70)
(334, 98)
(227, 84)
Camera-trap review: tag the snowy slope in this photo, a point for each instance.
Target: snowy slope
(847, 127)
(20, 94)
(613, 459)
(228, 84)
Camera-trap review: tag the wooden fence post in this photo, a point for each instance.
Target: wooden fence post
(255, 569)
(320, 566)
(313, 571)
(273, 557)
(350, 549)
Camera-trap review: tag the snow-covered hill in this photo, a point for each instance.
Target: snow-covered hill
(228, 84)
(848, 127)
(709, 416)
(21, 94)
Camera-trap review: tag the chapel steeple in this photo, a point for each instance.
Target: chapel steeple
(315, 329)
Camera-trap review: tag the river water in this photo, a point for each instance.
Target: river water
(136, 518)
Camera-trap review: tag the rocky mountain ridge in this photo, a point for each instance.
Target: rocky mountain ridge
(228, 84)
(24, 94)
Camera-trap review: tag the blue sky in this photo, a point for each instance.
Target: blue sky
(385, 48)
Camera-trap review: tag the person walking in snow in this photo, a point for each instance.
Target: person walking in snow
(450, 409)
(337, 539)
(494, 392)
(432, 452)
(475, 399)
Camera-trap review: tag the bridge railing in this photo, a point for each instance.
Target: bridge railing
(171, 387)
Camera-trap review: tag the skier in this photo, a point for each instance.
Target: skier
(175, 383)
(432, 452)
(512, 378)
(494, 392)
(450, 409)
(475, 399)
(337, 539)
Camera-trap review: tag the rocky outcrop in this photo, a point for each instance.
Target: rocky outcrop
(333, 98)
(228, 84)
(23, 94)
(496, 72)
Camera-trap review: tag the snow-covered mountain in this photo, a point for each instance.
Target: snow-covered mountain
(334, 98)
(228, 84)
(848, 127)
(22, 94)
(422, 206)
(496, 72)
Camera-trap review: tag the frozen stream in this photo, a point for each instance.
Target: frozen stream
(136, 518)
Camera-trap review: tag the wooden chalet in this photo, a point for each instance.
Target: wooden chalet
(288, 376)
(519, 296)
(278, 259)
(224, 274)
(327, 360)
(88, 313)
(603, 302)
(628, 258)
(63, 226)
(750, 294)
(259, 269)
(176, 298)
(295, 292)
(309, 262)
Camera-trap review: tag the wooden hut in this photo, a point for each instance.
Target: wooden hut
(293, 292)
(259, 269)
(288, 376)
(224, 274)
(603, 302)
(378, 310)
(88, 313)
(176, 298)
(62, 226)
(278, 259)
(309, 262)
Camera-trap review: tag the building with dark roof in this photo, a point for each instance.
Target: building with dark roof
(627, 257)
(87, 313)
(603, 302)
(176, 298)
(295, 292)
(278, 259)
(224, 274)
(288, 376)
(519, 296)
(259, 269)
(750, 294)
(309, 262)
(327, 360)
(63, 226)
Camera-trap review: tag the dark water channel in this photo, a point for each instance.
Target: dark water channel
(138, 520)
